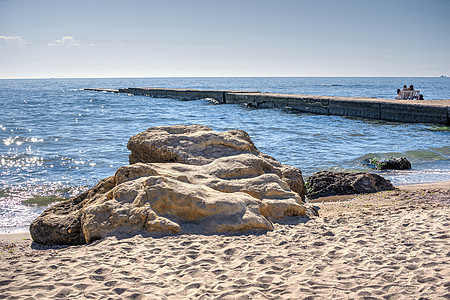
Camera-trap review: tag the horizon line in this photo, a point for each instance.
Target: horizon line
(142, 77)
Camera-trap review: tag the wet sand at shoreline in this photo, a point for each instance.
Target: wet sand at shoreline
(387, 245)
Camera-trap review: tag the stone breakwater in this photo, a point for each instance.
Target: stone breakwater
(406, 111)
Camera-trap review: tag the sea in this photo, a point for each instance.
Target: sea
(57, 140)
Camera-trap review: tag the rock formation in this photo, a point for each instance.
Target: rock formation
(326, 183)
(181, 179)
(199, 145)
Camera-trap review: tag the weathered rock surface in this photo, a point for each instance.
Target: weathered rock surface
(199, 145)
(193, 145)
(181, 179)
(326, 183)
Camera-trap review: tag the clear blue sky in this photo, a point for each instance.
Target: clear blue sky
(137, 38)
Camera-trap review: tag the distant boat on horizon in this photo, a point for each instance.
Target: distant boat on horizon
(443, 76)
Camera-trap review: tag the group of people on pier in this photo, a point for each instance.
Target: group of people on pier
(408, 93)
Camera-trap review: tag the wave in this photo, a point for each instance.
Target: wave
(415, 156)
(74, 90)
(439, 128)
(20, 205)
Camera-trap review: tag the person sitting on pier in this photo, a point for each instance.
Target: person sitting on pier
(416, 95)
(401, 90)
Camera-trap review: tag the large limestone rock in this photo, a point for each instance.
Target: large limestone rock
(199, 145)
(326, 183)
(181, 179)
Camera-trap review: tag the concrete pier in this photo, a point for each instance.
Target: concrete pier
(407, 111)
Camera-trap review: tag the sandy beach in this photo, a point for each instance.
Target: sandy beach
(388, 245)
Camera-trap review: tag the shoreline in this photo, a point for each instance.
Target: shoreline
(22, 233)
(6, 231)
(385, 245)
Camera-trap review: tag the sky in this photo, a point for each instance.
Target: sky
(180, 38)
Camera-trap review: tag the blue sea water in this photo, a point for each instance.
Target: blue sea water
(57, 139)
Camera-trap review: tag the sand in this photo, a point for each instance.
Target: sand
(388, 245)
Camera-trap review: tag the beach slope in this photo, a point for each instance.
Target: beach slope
(387, 245)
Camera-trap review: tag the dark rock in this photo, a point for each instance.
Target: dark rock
(59, 224)
(394, 163)
(326, 183)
